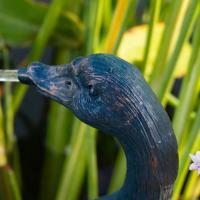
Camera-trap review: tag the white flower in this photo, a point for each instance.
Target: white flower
(196, 162)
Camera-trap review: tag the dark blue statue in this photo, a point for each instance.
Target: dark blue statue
(111, 95)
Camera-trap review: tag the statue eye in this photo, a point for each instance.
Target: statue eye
(92, 90)
(68, 83)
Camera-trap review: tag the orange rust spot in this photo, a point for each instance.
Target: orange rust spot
(154, 162)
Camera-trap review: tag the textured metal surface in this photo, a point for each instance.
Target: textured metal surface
(110, 94)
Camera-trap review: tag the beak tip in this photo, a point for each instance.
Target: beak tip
(23, 76)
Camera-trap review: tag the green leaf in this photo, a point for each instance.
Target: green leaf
(133, 43)
(21, 20)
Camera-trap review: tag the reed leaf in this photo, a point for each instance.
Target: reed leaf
(164, 49)
(174, 16)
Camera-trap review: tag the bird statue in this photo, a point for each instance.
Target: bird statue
(111, 95)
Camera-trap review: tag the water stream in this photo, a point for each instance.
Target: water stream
(9, 76)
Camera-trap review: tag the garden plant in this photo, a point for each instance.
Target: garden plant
(160, 37)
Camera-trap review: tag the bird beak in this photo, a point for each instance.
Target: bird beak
(49, 80)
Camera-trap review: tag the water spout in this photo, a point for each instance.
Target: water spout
(9, 76)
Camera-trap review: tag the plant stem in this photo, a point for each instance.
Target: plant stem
(11, 144)
(173, 101)
(46, 29)
(189, 99)
(92, 165)
(185, 160)
(173, 18)
(121, 8)
(191, 182)
(185, 30)
(59, 126)
(10, 176)
(9, 186)
(98, 26)
(40, 43)
(189, 90)
(129, 12)
(119, 172)
(154, 18)
(9, 118)
(3, 158)
(90, 21)
(80, 165)
(70, 165)
(80, 169)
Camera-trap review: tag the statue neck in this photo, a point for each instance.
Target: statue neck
(151, 155)
(142, 163)
(144, 130)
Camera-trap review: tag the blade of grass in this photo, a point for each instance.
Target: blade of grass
(80, 169)
(90, 21)
(191, 94)
(3, 158)
(18, 95)
(196, 192)
(128, 13)
(92, 165)
(47, 28)
(173, 19)
(98, 26)
(59, 124)
(191, 182)
(173, 101)
(40, 43)
(80, 165)
(119, 172)
(166, 82)
(9, 186)
(189, 90)
(191, 187)
(12, 181)
(116, 25)
(10, 140)
(154, 18)
(184, 159)
(107, 17)
(69, 165)
(11, 144)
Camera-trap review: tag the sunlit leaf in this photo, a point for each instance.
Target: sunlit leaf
(133, 44)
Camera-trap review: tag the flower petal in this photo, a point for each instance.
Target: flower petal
(193, 158)
(193, 166)
(198, 156)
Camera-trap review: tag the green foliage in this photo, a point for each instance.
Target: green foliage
(161, 47)
(21, 21)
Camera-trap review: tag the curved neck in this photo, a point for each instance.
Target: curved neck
(144, 174)
(151, 154)
(141, 180)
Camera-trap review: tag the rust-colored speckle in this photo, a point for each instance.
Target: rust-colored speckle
(154, 163)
